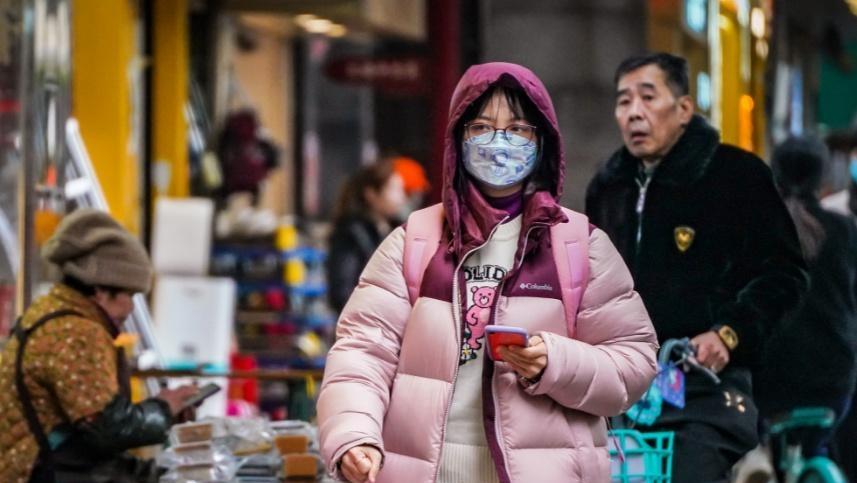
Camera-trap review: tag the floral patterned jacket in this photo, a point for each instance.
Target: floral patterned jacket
(70, 367)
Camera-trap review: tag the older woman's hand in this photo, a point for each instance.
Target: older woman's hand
(529, 361)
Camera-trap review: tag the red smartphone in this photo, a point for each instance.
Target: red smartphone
(498, 335)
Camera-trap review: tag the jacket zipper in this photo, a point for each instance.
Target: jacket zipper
(641, 203)
(456, 315)
(497, 430)
(497, 434)
(526, 240)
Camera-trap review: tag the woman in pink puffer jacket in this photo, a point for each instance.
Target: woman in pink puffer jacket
(409, 393)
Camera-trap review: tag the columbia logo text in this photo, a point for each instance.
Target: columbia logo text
(536, 286)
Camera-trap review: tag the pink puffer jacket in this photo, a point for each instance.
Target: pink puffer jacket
(390, 375)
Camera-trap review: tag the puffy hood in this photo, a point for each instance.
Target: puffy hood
(469, 216)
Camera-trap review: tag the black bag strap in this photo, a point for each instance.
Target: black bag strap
(30, 414)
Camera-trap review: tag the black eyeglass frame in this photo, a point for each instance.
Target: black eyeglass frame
(503, 130)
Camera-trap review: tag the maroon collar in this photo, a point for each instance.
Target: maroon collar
(512, 204)
(477, 218)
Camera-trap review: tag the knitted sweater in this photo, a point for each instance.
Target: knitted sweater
(465, 456)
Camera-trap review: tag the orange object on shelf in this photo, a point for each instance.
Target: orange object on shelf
(300, 465)
(45, 223)
(291, 443)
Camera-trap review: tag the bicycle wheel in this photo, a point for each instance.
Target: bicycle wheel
(821, 470)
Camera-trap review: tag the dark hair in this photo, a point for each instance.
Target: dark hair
(674, 68)
(352, 196)
(545, 174)
(842, 141)
(89, 290)
(798, 165)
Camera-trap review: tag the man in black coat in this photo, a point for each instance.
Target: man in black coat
(711, 246)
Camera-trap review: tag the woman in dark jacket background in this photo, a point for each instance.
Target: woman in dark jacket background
(368, 203)
(810, 358)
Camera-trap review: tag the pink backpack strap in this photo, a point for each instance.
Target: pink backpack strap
(422, 236)
(570, 244)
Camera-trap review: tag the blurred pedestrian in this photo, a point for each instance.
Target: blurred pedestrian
(415, 181)
(368, 205)
(793, 375)
(65, 403)
(407, 383)
(712, 249)
(844, 202)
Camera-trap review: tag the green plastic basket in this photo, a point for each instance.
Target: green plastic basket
(648, 457)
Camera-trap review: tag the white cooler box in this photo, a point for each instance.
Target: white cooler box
(193, 327)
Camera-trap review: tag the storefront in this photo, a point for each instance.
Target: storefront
(726, 43)
(126, 106)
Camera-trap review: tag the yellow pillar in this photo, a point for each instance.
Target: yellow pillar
(170, 91)
(730, 96)
(103, 50)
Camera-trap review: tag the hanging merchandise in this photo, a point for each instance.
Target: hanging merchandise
(244, 155)
(49, 207)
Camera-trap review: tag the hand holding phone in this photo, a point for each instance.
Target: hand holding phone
(500, 335)
(201, 395)
(175, 397)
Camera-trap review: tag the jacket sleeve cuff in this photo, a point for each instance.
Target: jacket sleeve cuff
(550, 374)
(156, 404)
(122, 425)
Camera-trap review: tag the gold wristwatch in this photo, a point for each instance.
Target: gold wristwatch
(727, 335)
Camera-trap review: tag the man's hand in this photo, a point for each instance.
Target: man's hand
(361, 464)
(528, 361)
(176, 397)
(711, 352)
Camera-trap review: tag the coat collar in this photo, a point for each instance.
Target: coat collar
(683, 165)
(540, 208)
(71, 298)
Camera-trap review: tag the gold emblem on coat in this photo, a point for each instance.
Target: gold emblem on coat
(684, 236)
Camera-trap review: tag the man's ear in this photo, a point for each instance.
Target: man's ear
(686, 109)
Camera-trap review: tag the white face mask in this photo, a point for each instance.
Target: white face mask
(499, 163)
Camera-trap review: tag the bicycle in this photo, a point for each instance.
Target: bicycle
(795, 467)
(646, 457)
(676, 357)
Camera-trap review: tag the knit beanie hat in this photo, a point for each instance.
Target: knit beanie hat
(92, 247)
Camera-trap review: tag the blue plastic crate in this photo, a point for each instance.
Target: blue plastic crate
(647, 456)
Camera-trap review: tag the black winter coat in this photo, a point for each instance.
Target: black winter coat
(352, 243)
(810, 358)
(716, 244)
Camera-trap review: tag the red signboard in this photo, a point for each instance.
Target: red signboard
(398, 75)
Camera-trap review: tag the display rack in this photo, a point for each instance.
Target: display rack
(282, 322)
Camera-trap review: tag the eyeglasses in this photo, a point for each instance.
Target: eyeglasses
(516, 134)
